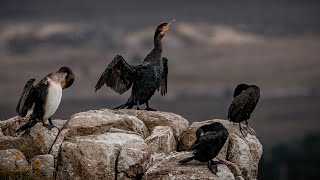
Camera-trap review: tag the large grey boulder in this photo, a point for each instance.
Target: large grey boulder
(85, 157)
(100, 121)
(243, 152)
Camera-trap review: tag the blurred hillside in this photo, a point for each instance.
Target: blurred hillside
(213, 46)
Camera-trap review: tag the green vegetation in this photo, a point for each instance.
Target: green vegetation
(298, 159)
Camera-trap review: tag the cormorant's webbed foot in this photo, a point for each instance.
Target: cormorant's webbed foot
(213, 166)
(50, 122)
(49, 126)
(150, 109)
(184, 161)
(120, 107)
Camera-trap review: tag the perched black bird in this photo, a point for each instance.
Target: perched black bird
(210, 140)
(46, 96)
(146, 78)
(245, 100)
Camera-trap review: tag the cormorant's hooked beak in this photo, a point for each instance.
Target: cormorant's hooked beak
(166, 27)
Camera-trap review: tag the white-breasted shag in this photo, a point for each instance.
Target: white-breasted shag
(46, 97)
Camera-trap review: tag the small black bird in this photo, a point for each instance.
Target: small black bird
(46, 96)
(210, 140)
(145, 79)
(245, 100)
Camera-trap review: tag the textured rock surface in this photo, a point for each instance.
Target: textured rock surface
(100, 121)
(153, 119)
(124, 144)
(10, 126)
(133, 159)
(161, 140)
(92, 156)
(44, 164)
(245, 152)
(169, 168)
(43, 137)
(13, 159)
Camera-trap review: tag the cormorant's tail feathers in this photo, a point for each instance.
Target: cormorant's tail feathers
(28, 125)
(184, 161)
(128, 104)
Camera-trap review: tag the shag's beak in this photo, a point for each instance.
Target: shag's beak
(165, 28)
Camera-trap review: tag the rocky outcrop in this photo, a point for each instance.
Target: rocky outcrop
(125, 144)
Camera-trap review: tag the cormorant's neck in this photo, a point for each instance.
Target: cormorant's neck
(157, 40)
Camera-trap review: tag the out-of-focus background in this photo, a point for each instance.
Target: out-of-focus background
(213, 46)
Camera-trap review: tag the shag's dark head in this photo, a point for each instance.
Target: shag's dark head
(162, 29)
(239, 89)
(69, 79)
(215, 126)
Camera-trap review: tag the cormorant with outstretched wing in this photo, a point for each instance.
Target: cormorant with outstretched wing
(145, 79)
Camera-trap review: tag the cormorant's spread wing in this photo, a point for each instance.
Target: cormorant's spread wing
(119, 76)
(164, 77)
(211, 137)
(27, 99)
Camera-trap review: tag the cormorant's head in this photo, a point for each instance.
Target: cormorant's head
(163, 28)
(239, 89)
(69, 79)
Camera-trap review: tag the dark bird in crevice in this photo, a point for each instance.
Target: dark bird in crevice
(245, 100)
(46, 97)
(145, 79)
(210, 140)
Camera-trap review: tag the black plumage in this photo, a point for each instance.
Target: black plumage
(145, 79)
(210, 140)
(40, 97)
(245, 100)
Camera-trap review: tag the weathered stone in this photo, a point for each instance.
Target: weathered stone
(10, 126)
(100, 121)
(256, 153)
(133, 159)
(239, 154)
(44, 164)
(161, 140)
(43, 137)
(13, 159)
(169, 168)
(153, 119)
(93, 156)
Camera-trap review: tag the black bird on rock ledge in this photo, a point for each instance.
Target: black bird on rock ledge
(245, 100)
(45, 96)
(210, 140)
(146, 78)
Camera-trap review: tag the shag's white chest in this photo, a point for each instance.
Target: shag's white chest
(53, 99)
